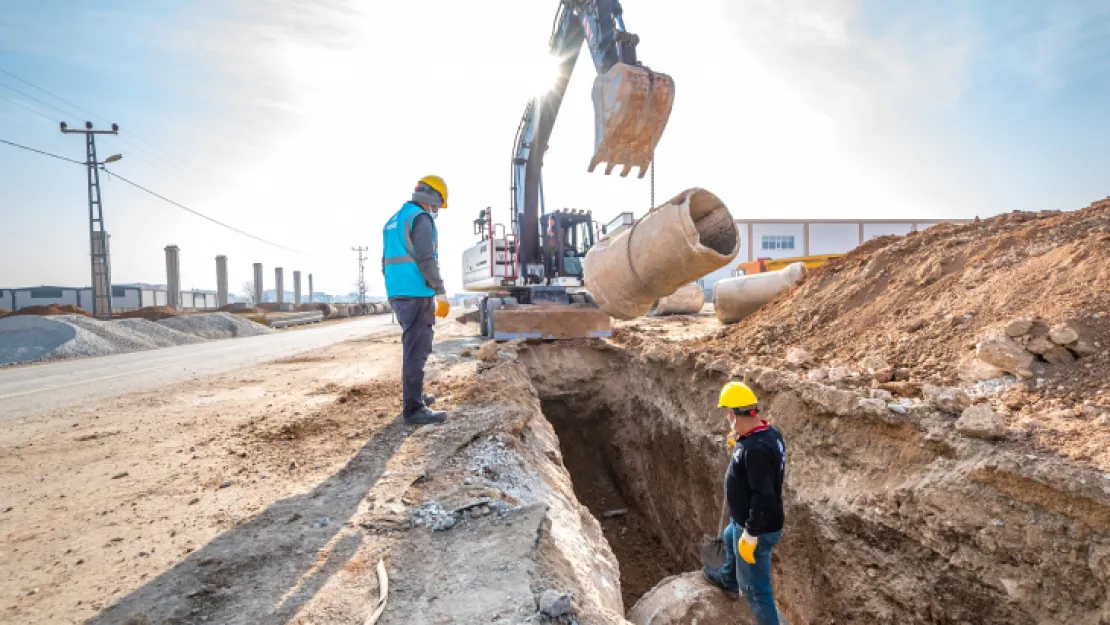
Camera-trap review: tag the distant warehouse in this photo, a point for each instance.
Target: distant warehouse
(124, 297)
(791, 238)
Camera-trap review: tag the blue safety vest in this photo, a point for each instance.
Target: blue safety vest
(402, 275)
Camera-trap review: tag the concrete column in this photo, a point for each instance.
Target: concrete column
(279, 284)
(805, 237)
(296, 288)
(861, 233)
(173, 277)
(258, 290)
(751, 242)
(309, 288)
(221, 281)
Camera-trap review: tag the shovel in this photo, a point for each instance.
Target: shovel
(712, 547)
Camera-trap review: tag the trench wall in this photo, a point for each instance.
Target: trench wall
(890, 518)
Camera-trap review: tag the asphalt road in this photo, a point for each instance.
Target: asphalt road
(27, 390)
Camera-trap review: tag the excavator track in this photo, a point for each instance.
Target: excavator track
(632, 105)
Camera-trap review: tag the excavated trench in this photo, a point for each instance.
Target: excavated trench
(890, 518)
(594, 464)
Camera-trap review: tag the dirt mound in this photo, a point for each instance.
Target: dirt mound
(4, 312)
(150, 313)
(931, 307)
(52, 309)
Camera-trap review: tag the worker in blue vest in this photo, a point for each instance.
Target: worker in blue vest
(410, 262)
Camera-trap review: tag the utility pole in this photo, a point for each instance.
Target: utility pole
(98, 237)
(361, 274)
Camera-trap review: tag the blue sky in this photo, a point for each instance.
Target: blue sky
(307, 123)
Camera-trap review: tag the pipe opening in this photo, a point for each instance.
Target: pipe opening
(715, 226)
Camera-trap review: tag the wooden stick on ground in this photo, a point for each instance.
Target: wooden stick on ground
(383, 594)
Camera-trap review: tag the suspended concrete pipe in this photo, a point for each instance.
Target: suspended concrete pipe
(676, 243)
(686, 301)
(736, 298)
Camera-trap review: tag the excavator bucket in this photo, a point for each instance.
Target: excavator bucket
(631, 108)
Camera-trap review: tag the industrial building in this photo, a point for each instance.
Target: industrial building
(125, 297)
(789, 238)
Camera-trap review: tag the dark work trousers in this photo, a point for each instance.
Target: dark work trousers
(417, 317)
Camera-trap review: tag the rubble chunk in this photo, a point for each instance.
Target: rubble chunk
(1003, 352)
(975, 370)
(798, 356)
(1019, 327)
(946, 398)
(874, 363)
(1063, 333)
(980, 421)
(554, 603)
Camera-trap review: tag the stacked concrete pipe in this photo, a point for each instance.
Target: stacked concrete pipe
(688, 300)
(739, 297)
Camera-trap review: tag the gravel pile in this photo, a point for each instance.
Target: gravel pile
(220, 325)
(158, 333)
(30, 338)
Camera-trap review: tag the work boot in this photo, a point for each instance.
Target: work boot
(429, 399)
(425, 416)
(713, 576)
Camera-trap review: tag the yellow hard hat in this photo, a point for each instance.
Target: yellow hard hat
(438, 184)
(737, 395)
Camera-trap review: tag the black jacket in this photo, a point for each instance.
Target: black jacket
(753, 483)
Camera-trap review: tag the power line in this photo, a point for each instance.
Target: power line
(202, 215)
(25, 107)
(41, 152)
(161, 197)
(197, 170)
(31, 97)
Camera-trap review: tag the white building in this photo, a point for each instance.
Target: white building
(788, 238)
(6, 299)
(45, 296)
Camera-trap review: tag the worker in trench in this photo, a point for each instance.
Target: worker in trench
(753, 490)
(410, 262)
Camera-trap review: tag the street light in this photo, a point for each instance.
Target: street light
(113, 158)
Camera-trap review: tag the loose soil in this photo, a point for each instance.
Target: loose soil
(150, 313)
(52, 309)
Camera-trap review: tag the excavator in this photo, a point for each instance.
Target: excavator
(531, 272)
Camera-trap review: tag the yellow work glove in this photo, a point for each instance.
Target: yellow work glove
(747, 546)
(442, 306)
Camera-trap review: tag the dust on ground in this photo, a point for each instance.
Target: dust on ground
(221, 497)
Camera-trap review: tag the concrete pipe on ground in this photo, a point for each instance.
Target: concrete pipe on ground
(688, 237)
(688, 300)
(342, 310)
(736, 298)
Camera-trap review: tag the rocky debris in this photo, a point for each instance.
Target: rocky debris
(488, 351)
(874, 363)
(553, 603)
(434, 516)
(798, 357)
(946, 398)
(974, 370)
(1019, 327)
(687, 599)
(1063, 334)
(980, 421)
(1006, 354)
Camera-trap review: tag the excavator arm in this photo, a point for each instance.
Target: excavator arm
(631, 107)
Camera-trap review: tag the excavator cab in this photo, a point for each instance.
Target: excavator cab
(567, 235)
(632, 105)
